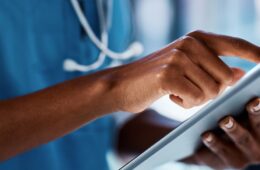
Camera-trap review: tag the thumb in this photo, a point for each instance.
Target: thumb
(238, 74)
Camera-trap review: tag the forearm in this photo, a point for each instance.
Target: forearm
(37, 118)
(142, 131)
(31, 120)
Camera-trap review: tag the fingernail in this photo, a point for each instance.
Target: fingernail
(228, 123)
(208, 137)
(256, 107)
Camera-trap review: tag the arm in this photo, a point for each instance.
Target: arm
(40, 117)
(191, 76)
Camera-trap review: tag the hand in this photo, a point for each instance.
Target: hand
(188, 70)
(236, 149)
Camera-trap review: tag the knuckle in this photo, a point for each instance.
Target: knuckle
(178, 57)
(187, 40)
(178, 54)
(196, 32)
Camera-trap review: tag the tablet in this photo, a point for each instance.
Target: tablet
(186, 138)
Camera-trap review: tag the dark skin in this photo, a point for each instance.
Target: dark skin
(238, 147)
(146, 129)
(189, 70)
(235, 147)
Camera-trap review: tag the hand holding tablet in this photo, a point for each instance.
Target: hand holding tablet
(186, 139)
(191, 73)
(236, 145)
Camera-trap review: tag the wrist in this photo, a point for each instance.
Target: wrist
(121, 86)
(107, 87)
(133, 88)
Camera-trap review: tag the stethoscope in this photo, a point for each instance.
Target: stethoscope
(104, 8)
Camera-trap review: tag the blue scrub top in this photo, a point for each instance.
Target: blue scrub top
(35, 38)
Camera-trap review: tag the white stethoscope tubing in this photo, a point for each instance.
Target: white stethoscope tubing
(134, 49)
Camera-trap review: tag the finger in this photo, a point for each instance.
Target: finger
(203, 80)
(205, 157)
(241, 137)
(253, 108)
(187, 91)
(238, 74)
(224, 151)
(206, 59)
(229, 46)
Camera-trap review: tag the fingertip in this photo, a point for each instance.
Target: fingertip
(227, 123)
(254, 106)
(237, 74)
(207, 138)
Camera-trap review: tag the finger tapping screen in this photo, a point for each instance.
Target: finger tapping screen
(186, 138)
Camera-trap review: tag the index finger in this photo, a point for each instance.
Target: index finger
(229, 46)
